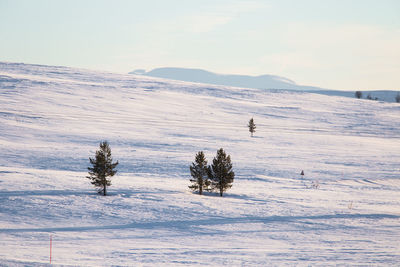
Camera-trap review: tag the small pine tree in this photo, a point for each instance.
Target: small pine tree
(398, 98)
(358, 94)
(103, 167)
(252, 126)
(220, 172)
(199, 172)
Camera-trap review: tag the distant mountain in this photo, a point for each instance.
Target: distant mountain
(259, 82)
(203, 76)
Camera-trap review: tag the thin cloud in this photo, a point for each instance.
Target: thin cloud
(216, 16)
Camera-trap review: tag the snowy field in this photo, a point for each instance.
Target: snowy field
(52, 120)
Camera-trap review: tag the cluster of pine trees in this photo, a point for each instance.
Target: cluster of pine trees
(215, 177)
(219, 175)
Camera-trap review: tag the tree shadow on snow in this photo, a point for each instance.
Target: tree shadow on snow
(46, 193)
(229, 196)
(187, 225)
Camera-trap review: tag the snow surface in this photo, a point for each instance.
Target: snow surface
(53, 118)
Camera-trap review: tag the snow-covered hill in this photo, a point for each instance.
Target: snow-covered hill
(53, 118)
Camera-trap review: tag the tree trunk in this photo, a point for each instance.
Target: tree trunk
(200, 190)
(104, 191)
(221, 190)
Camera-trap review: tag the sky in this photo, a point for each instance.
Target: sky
(335, 44)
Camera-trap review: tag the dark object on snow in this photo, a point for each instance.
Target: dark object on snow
(252, 127)
(103, 167)
(371, 98)
(199, 172)
(302, 173)
(220, 172)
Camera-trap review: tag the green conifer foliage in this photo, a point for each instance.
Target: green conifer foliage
(102, 167)
(397, 98)
(220, 172)
(199, 172)
(252, 126)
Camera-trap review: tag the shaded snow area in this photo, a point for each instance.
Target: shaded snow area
(345, 211)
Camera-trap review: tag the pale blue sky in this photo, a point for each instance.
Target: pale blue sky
(337, 44)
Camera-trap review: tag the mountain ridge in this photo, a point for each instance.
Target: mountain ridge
(265, 81)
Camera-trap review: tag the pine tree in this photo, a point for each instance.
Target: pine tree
(397, 98)
(199, 172)
(103, 167)
(220, 172)
(252, 127)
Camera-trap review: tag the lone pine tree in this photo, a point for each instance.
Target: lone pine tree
(199, 172)
(102, 167)
(220, 172)
(252, 126)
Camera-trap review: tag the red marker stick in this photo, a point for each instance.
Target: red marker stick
(50, 247)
